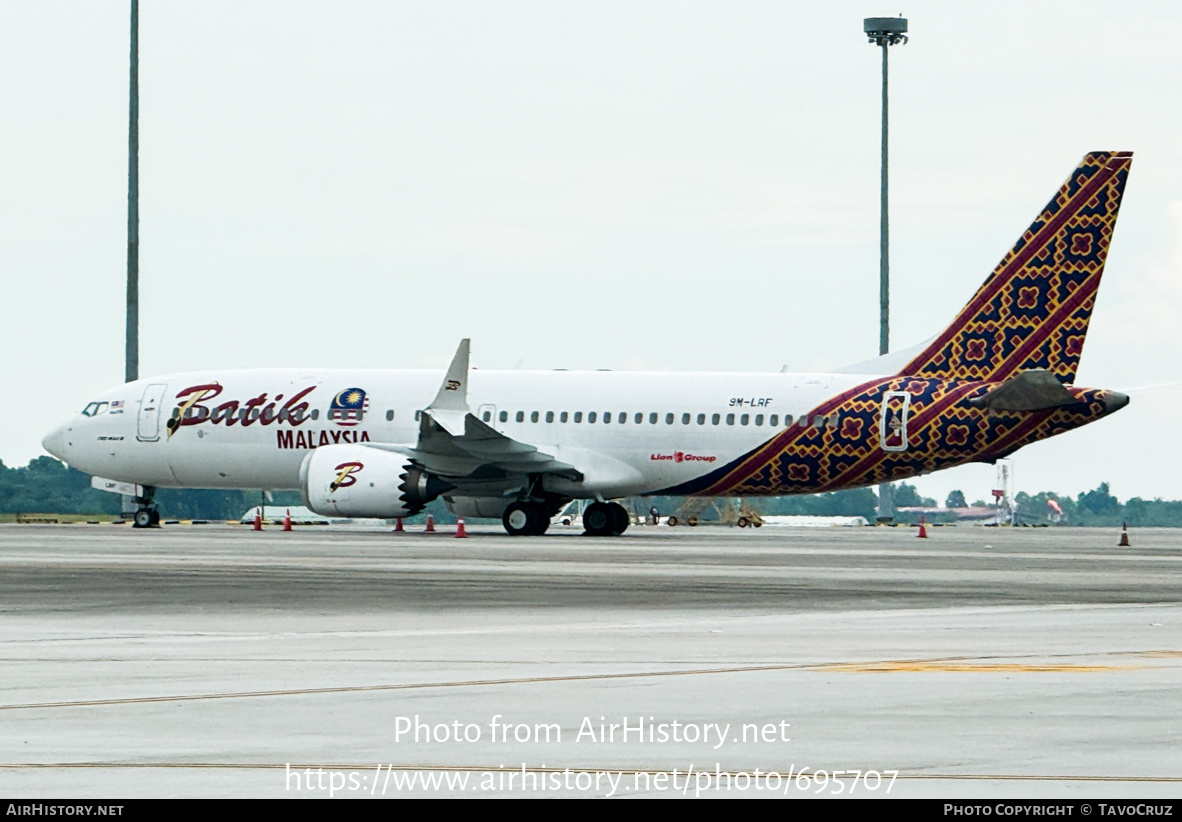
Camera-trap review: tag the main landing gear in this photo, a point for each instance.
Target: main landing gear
(605, 519)
(526, 519)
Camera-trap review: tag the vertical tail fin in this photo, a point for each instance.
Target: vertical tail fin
(1033, 310)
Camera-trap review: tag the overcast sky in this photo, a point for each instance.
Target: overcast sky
(625, 185)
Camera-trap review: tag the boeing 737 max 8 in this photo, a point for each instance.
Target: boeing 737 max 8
(520, 444)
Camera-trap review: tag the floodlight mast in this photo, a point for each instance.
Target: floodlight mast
(131, 359)
(884, 32)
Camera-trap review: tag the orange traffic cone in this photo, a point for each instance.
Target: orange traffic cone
(398, 529)
(287, 520)
(258, 519)
(430, 524)
(1124, 535)
(460, 532)
(923, 530)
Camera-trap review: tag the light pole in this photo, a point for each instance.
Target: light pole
(131, 351)
(131, 361)
(884, 32)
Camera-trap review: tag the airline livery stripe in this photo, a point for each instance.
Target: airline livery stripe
(932, 410)
(930, 413)
(746, 466)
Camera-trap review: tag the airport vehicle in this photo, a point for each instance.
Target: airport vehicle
(521, 444)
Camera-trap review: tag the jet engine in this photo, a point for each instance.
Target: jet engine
(360, 481)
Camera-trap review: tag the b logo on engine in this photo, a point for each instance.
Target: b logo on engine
(345, 477)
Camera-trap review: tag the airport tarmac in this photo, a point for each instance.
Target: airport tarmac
(211, 660)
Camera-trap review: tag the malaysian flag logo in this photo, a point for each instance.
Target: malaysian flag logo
(348, 407)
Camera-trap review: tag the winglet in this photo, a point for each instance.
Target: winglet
(453, 394)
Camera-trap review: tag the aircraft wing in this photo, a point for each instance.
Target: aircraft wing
(454, 444)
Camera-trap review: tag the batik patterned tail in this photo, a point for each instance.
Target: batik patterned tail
(1034, 309)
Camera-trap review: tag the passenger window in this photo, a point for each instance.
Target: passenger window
(639, 418)
(652, 418)
(701, 419)
(549, 416)
(832, 420)
(759, 419)
(562, 417)
(390, 415)
(818, 421)
(773, 420)
(486, 416)
(685, 419)
(730, 419)
(521, 416)
(743, 420)
(607, 417)
(316, 414)
(668, 419)
(533, 417)
(578, 416)
(787, 420)
(591, 417)
(504, 416)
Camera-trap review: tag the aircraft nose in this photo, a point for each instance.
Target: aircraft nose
(56, 442)
(1115, 401)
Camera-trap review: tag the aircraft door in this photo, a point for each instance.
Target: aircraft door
(149, 420)
(892, 424)
(488, 414)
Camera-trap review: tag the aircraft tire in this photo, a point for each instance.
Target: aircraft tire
(599, 520)
(524, 519)
(620, 518)
(143, 518)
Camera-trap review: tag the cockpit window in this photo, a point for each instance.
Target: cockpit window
(94, 409)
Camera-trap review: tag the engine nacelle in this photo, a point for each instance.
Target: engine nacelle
(360, 481)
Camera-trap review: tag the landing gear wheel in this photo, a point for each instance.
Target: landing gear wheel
(146, 518)
(598, 520)
(605, 519)
(620, 518)
(525, 519)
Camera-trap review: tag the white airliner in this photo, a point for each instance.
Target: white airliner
(521, 444)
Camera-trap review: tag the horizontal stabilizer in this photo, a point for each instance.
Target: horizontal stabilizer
(1035, 390)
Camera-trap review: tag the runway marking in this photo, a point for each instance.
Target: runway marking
(972, 667)
(340, 766)
(947, 664)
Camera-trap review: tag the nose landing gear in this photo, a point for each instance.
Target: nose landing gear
(146, 518)
(146, 515)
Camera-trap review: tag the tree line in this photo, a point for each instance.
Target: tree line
(48, 486)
